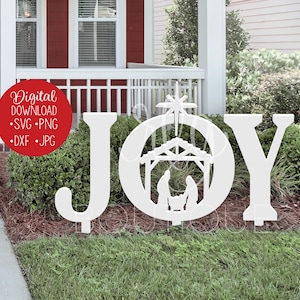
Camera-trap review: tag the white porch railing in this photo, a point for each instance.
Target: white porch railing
(135, 90)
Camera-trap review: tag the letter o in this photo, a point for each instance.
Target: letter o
(223, 175)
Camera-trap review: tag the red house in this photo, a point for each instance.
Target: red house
(100, 53)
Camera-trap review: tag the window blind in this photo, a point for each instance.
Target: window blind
(97, 8)
(97, 32)
(26, 33)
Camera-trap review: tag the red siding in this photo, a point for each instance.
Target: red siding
(57, 34)
(135, 31)
(57, 47)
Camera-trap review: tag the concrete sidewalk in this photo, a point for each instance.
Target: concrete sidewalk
(12, 283)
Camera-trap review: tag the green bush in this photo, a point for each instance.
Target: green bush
(277, 93)
(286, 172)
(289, 149)
(245, 72)
(118, 134)
(237, 38)
(181, 39)
(36, 179)
(219, 122)
(283, 182)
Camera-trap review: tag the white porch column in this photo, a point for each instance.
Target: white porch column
(148, 32)
(7, 44)
(212, 54)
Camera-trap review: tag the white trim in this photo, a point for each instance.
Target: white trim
(212, 54)
(177, 73)
(41, 33)
(73, 37)
(148, 31)
(121, 39)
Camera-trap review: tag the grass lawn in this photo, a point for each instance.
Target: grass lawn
(175, 265)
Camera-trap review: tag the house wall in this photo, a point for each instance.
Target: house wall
(57, 48)
(135, 31)
(160, 21)
(57, 34)
(272, 24)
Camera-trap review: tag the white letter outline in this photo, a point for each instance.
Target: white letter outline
(99, 173)
(259, 166)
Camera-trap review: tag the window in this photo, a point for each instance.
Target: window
(97, 31)
(26, 33)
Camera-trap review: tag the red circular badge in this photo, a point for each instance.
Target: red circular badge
(35, 117)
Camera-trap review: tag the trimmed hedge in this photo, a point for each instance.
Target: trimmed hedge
(36, 179)
(277, 93)
(289, 149)
(245, 72)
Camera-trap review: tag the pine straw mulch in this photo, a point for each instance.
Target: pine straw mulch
(21, 225)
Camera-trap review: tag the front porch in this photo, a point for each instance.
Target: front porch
(128, 88)
(135, 90)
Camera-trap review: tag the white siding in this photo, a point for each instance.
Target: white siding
(272, 24)
(160, 21)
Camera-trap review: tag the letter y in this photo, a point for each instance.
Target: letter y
(259, 166)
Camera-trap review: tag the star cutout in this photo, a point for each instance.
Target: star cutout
(176, 106)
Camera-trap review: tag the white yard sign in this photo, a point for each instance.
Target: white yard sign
(218, 166)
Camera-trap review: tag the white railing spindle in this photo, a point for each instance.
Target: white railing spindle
(119, 101)
(88, 95)
(108, 95)
(98, 100)
(78, 105)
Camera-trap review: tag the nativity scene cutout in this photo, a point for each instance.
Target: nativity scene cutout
(173, 151)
